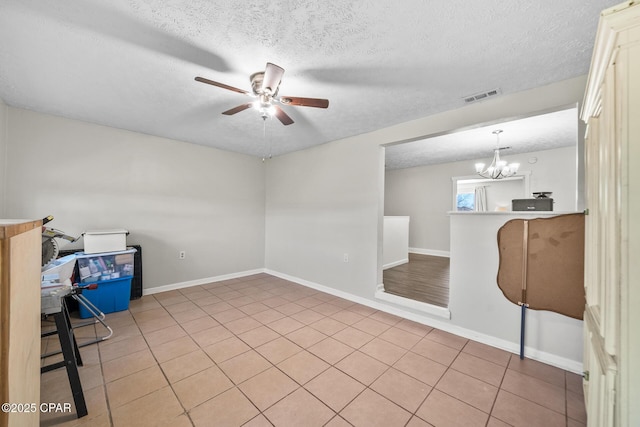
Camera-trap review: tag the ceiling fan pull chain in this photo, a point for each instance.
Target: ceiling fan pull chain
(270, 147)
(264, 139)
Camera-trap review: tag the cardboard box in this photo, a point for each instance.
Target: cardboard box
(105, 241)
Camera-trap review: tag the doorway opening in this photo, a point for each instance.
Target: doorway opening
(425, 179)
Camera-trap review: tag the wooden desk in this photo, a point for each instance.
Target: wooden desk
(20, 260)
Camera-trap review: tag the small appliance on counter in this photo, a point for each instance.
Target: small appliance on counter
(540, 202)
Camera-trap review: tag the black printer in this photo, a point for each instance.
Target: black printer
(540, 202)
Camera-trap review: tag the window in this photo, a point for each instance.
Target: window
(465, 201)
(497, 193)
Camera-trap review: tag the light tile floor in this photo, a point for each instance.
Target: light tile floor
(262, 351)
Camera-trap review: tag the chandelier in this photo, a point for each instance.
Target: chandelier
(498, 168)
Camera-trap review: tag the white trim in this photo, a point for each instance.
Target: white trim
(410, 303)
(541, 356)
(512, 347)
(432, 252)
(603, 55)
(197, 282)
(528, 214)
(323, 288)
(395, 263)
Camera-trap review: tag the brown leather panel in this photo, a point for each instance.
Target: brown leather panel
(555, 263)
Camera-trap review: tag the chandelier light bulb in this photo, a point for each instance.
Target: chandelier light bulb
(498, 168)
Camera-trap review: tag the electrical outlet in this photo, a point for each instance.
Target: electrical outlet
(345, 258)
(182, 255)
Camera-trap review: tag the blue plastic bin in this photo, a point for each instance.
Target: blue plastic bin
(112, 272)
(112, 295)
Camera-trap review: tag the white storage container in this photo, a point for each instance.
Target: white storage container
(105, 241)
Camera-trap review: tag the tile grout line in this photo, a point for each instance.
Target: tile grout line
(238, 384)
(185, 412)
(504, 374)
(238, 294)
(104, 385)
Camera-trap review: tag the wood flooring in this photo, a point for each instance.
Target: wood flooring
(424, 278)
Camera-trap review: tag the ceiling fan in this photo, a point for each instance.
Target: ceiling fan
(265, 85)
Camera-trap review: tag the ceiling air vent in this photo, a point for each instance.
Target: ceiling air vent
(481, 96)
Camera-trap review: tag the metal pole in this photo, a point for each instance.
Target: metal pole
(523, 304)
(522, 320)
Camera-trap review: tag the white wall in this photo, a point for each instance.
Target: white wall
(477, 302)
(395, 250)
(170, 195)
(321, 204)
(297, 220)
(327, 200)
(4, 117)
(425, 193)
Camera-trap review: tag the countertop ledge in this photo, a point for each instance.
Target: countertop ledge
(514, 213)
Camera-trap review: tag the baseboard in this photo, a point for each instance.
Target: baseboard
(511, 347)
(410, 303)
(395, 263)
(531, 353)
(197, 282)
(322, 288)
(432, 252)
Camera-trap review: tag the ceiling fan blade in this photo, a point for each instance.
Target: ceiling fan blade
(238, 109)
(282, 116)
(272, 77)
(222, 85)
(304, 102)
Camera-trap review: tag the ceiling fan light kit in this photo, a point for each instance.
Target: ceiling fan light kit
(498, 168)
(264, 107)
(265, 86)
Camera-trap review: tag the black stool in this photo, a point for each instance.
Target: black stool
(71, 355)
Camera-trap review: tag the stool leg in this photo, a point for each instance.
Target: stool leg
(76, 350)
(67, 343)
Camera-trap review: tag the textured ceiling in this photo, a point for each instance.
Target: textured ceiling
(131, 63)
(537, 133)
